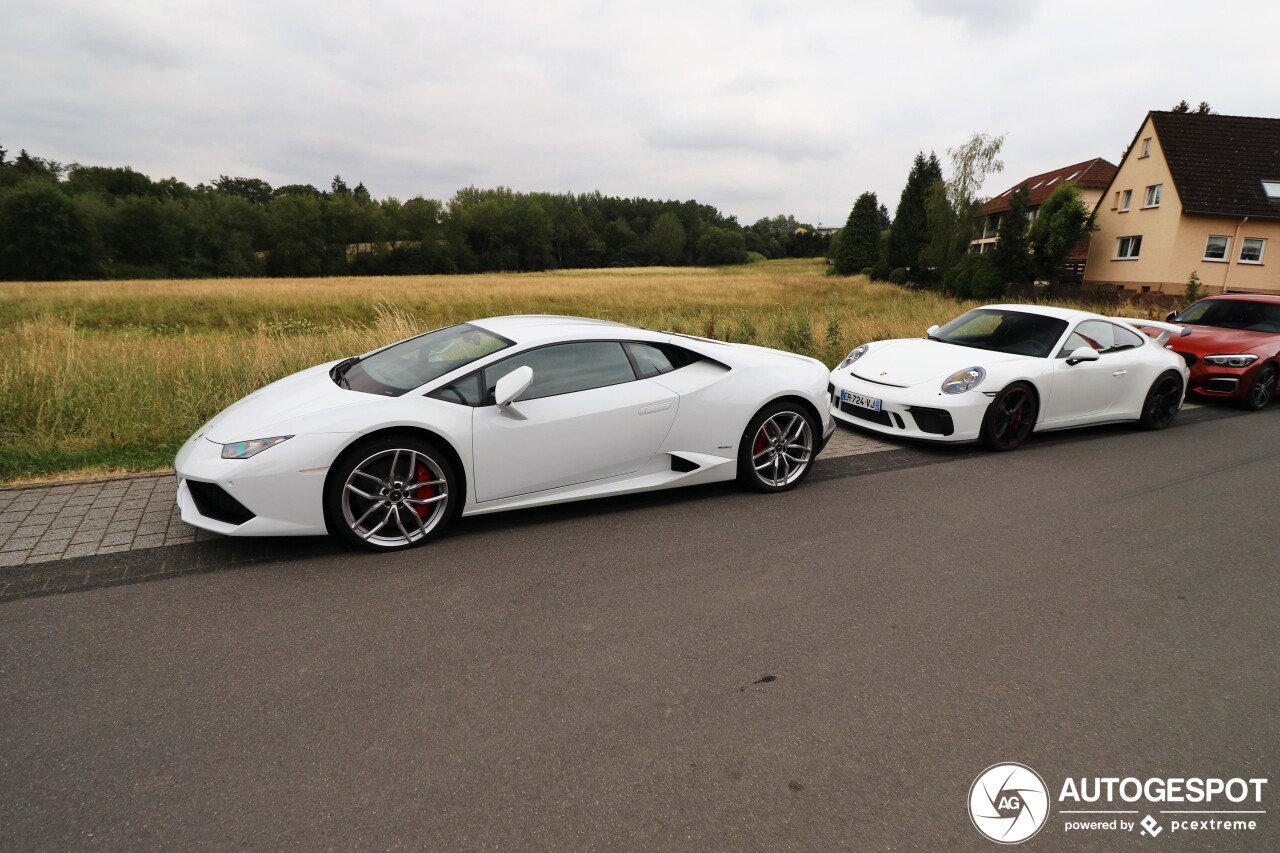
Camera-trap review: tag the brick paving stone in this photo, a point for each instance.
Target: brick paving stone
(121, 538)
(45, 547)
(25, 543)
(153, 540)
(80, 550)
(13, 558)
(112, 549)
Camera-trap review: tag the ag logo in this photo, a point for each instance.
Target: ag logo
(1008, 803)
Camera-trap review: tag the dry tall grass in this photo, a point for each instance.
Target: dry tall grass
(114, 375)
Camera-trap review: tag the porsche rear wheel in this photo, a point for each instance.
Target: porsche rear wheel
(390, 494)
(1010, 418)
(777, 448)
(1262, 389)
(1162, 402)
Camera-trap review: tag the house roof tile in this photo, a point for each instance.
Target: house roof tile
(1218, 163)
(1091, 173)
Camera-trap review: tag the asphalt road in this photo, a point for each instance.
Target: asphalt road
(825, 669)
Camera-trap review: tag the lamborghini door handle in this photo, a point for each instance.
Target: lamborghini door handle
(1120, 373)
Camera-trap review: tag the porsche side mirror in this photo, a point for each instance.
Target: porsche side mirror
(932, 330)
(1080, 354)
(1169, 317)
(512, 386)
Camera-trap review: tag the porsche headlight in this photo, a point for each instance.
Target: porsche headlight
(1239, 360)
(252, 447)
(963, 380)
(854, 355)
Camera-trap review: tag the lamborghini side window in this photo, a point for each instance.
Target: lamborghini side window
(650, 360)
(465, 392)
(565, 368)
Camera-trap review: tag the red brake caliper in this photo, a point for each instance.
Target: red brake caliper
(422, 475)
(761, 441)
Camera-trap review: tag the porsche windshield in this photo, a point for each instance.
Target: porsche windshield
(1233, 314)
(1014, 332)
(410, 364)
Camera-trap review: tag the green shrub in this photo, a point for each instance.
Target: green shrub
(898, 276)
(881, 271)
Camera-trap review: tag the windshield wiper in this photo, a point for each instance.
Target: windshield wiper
(339, 371)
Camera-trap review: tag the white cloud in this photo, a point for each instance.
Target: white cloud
(758, 108)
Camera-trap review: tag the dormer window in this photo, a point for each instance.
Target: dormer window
(1272, 189)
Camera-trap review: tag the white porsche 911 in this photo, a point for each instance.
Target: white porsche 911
(385, 448)
(1000, 372)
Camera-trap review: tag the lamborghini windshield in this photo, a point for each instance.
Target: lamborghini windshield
(1000, 330)
(413, 363)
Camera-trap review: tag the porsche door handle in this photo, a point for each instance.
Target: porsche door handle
(1120, 373)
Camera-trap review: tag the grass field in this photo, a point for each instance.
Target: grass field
(101, 377)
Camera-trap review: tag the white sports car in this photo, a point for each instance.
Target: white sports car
(999, 372)
(510, 412)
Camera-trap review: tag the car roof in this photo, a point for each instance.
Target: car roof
(1047, 311)
(1246, 297)
(526, 328)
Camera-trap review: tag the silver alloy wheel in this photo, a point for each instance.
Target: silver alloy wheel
(1260, 393)
(782, 449)
(395, 497)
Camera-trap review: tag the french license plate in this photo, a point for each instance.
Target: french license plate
(859, 400)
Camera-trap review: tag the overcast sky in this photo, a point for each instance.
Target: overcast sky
(758, 108)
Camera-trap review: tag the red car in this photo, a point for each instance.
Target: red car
(1234, 350)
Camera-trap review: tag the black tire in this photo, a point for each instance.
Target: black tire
(374, 497)
(1010, 418)
(1162, 401)
(778, 447)
(1262, 389)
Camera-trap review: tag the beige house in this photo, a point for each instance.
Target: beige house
(1194, 193)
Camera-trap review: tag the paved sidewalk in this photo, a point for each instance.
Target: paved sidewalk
(39, 524)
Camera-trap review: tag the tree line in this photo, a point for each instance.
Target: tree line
(928, 240)
(73, 221)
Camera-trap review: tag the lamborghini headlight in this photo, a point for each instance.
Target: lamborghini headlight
(252, 447)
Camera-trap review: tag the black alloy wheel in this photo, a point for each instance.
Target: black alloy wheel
(1010, 418)
(1162, 402)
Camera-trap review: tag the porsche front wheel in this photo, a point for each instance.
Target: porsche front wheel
(777, 448)
(1010, 418)
(390, 494)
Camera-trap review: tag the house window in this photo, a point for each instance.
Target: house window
(1216, 248)
(1128, 248)
(1252, 249)
(1125, 198)
(1146, 147)
(1153, 195)
(1271, 188)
